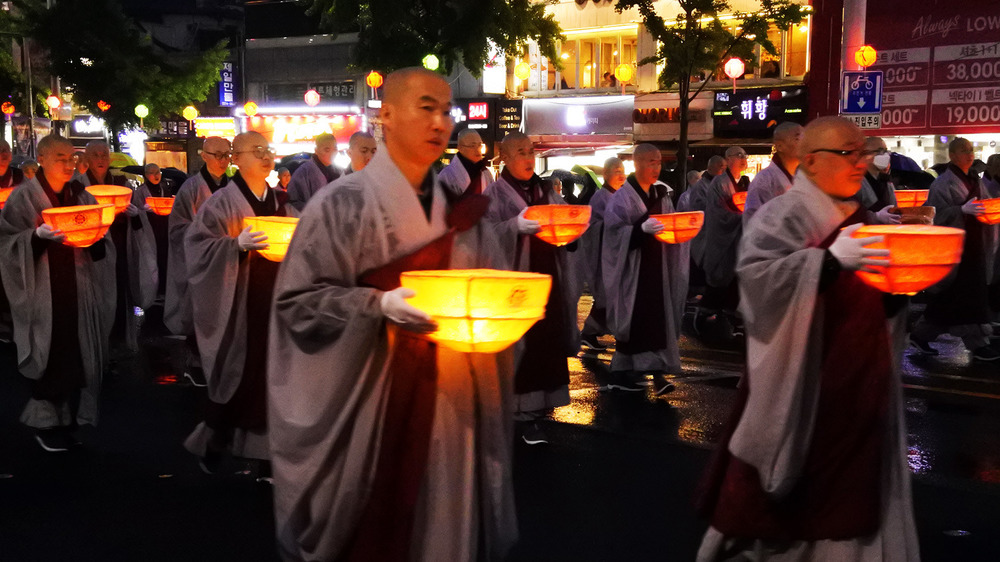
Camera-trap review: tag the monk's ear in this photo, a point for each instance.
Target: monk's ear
(386, 114)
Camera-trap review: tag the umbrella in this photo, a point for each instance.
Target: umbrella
(120, 160)
(902, 163)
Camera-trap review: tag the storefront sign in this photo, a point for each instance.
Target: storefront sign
(87, 126)
(328, 91)
(754, 113)
(224, 127)
(941, 64)
(289, 134)
(605, 115)
(478, 114)
(510, 116)
(227, 85)
(665, 115)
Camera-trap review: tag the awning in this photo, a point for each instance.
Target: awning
(742, 142)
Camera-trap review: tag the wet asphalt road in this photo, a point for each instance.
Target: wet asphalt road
(615, 483)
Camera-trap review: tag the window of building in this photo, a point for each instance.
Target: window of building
(588, 61)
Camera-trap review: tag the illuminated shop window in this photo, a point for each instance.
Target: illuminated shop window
(589, 61)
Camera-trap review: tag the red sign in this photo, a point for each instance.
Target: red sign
(941, 65)
(479, 110)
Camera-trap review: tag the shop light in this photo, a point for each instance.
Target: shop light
(602, 29)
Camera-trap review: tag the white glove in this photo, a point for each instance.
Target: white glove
(147, 208)
(526, 226)
(853, 254)
(45, 232)
(131, 210)
(887, 217)
(651, 226)
(396, 309)
(974, 207)
(251, 240)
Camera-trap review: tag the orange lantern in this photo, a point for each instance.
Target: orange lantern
(479, 310)
(623, 73)
(740, 200)
(522, 70)
(992, 215)
(82, 224)
(7, 108)
(250, 108)
(4, 194)
(279, 231)
(911, 197)
(373, 80)
(53, 102)
(311, 98)
(115, 195)
(679, 227)
(919, 256)
(103, 105)
(161, 205)
(561, 224)
(865, 56)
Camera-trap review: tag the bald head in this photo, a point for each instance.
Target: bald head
(416, 120)
(645, 149)
(360, 149)
(49, 142)
(715, 165)
(470, 145)
(510, 142)
(614, 173)
(823, 132)
(248, 140)
(648, 163)
(98, 158)
(836, 174)
(396, 84)
(251, 154)
(787, 137)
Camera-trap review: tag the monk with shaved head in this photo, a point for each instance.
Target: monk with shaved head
(777, 177)
(796, 479)
(385, 445)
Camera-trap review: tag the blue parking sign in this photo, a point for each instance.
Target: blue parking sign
(861, 92)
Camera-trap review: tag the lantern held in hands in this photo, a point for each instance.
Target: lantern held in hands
(160, 205)
(911, 197)
(115, 195)
(82, 224)
(919, 256)
(4, 194)
(679, 227)
(992, 207)
(479, 310)
(279, 231)
(740, 200)
(561, 224)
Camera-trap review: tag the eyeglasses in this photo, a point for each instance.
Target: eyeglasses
(259, 151)
(218, 155)
(742, 156)
(854, 156)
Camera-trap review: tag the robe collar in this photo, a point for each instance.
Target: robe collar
(156, 190)
(212, 186)
(266, 208)
(740, 185)
(531, 192)
(68, 196)
(108, 179)
(969, 180)
(13, 177)
(328, 172)
(776, 160)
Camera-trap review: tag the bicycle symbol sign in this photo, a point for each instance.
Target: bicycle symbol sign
(861, 92)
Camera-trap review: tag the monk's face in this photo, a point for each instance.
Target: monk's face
(736, 162)
(216, 153)
(614, 176)
(519, 159)
(963, 156)
(284, 176)
(788, 145)
(325, 151)
(647, 168)
(361, 153)
(58, 164)
(98, 160)
(471, 147)
(5, 157)
(837, 160)
(418, 123)
(153, 176)
(253, 156)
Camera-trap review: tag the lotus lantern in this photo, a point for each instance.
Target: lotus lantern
(561, 224)
(992, 215)
(740, 200)
(82, 224)
(279, 231)
(115, 195)
(4, 194)
(919, 256)
(161, 205)
(679, 227)
(911, 197)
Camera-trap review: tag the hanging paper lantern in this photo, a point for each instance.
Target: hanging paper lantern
(53, 102)
(522, 71)
(7, 108)
(4, 194)
(919, 256)
(250, 108)
(103, 105)
(279, 231)
(431, 62)
(115, 195)
(374, 79)
(479, 310)
(190, 113)
(740, 200)
(561, 224)
(679, 227)
(992, 215)
(911, 197)
(161, 205)
(865, 56)
(312, 98)
(82, 224)
(623, 72)
(734, 68)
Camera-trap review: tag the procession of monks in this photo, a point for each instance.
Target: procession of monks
(382, 445)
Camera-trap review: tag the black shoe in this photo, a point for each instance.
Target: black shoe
(922, 346)
(196, 376)
(533, 434)
(589, 341)
(623, 381)
(52, 440)
(662, 386)
(985, 353)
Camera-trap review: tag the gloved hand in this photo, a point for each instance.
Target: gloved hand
(252, 240)
(853, 253)
(651, 226)
(131, 210)
(526, 226)
(974, 207)
(147, 208)
(885, 216)
(397, 310)
(45, 232)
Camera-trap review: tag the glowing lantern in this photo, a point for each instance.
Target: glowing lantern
(911, 197)
(190, 113)
(141, 111)
(479, 310)
(522, 71)
(679, 227)
(992, 215)
(250, 108)
(82, 224)
(740, 200)
(312, 98)
(53, 102)
(734, 69)
(7, 108)
(623, 73)
(4, 194)
(103, 105)
(431, 62)
(561, 224)
(161, 205)
(279, 231)
(919, 256)
(374, 79)
(865, 56)
(115, 195)
(914, 215)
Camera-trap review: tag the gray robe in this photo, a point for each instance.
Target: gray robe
(947, 194)
(219, 276)
(779, 273)
(143, 270)
(305, 182)
(329, 350)
(696, 201)
(721, 234)
(587, 259)
(26, 281)
(456, 179)
(768, 184)
(620, 269)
